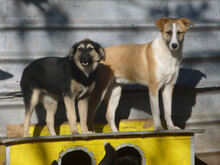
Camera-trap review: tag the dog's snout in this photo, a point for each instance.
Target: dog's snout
(85, 57)
(174, 45)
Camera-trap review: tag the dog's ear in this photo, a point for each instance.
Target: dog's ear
(73, 50)
(186, 22)
(100, 51)
(161, 22)
(86, 39)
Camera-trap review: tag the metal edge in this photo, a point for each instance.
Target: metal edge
(143, 158)
(93, 26)
(77, 148)
(192, 148)
(7, 155)
(100, 135)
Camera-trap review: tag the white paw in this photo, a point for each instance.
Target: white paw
(26, 134)
(74, 133)
(158, 128)
(174, 128)
(89, 132)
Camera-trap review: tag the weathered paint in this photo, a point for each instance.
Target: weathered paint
(29, 30)
(124, 126)
(157, 148)
(2, 153)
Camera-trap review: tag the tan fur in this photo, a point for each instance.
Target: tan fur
(71, 113)
(89, 69)
(89, 46)
(50, 102)
(33, 103)
(78, 93)
(76, 88)
(152, 64)
(151, 70)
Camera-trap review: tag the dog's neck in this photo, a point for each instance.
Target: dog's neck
(161, 46)
(85, 77)
(86, 70)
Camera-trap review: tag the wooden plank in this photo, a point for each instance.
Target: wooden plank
(16, 130)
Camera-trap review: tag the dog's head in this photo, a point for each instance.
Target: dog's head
(173, 30)
(87, 54)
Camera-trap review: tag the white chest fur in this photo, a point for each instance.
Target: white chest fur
(167, 61)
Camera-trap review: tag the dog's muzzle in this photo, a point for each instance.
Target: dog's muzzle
(85, 60)
(174, 46)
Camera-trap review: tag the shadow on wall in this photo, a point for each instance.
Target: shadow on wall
(184, 98)
(51, 13)
(189, 10)
(5, 75)
(199, 162)
(54, 15)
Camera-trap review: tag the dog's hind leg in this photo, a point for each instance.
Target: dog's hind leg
(112, 99)
(29, 108)
(50, 104)
(71, 114)
(94, 102)
(103, 79)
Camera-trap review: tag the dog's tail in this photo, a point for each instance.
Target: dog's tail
(110, 155)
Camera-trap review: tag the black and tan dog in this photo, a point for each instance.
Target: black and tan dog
(71, 78)
(112, 158)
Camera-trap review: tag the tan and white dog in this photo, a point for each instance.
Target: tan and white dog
(155, 64)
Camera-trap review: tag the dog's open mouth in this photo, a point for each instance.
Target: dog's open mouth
(86, 63)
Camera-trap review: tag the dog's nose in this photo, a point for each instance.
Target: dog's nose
(84, 58)
(174, 45)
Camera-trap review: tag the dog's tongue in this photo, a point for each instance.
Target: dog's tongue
(85, 63)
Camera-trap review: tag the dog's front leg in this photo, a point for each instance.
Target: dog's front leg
(167, 93)
(71, 114)
(83, 114)
(154, 104)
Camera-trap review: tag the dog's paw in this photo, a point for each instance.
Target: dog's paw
(87, 132)
(26, 134)
(159, 128)
(74, 132)
(174, 128)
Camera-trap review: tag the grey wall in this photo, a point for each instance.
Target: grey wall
(30, 29)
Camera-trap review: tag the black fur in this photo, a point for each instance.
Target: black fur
(111, 158)
(54, 74)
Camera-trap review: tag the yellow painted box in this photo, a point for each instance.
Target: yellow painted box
(152, 147)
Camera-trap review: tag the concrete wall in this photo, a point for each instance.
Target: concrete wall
(30, 29)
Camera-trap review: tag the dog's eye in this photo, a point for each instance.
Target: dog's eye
(90, 48)
(169, 32)
(179, 33)
(80, 49)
